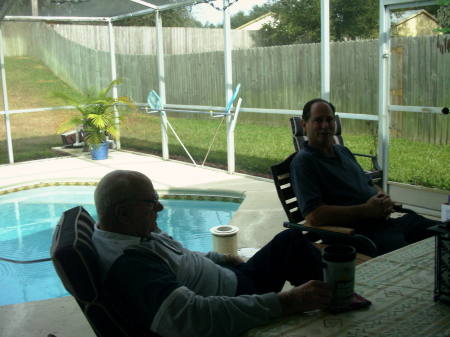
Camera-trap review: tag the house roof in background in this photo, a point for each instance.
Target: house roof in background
(266, 16)
(401, 17)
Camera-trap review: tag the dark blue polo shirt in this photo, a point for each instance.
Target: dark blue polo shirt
(319, 180)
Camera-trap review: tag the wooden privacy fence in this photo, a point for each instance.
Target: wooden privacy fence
(281, 77)
(129, 40)
(142, 40)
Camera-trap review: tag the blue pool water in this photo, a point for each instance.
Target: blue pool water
(28, 218)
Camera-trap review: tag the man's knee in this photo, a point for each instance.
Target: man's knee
(293, 242)
(417, 227)
(290, 236)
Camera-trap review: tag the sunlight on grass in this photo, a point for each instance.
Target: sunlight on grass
(260, 140)
(31, 84)
(420, 163)
(260, 146)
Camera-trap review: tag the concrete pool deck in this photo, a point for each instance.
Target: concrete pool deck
(259, 218)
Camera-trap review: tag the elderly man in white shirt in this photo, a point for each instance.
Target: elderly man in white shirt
(172, 291)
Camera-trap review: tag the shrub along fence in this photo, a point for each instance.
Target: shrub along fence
(281, 77)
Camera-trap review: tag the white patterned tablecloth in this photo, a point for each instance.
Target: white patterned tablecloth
(399, 285)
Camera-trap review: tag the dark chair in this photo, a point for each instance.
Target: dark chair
(69, 138)
(288, 199)
(299, 138)
(76, 262)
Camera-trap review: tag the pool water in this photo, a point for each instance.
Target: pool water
(28, 218)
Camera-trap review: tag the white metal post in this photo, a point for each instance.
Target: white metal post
(162, 85)
(228, 85)
(325, 49)
(34, 8)
(5, 101)
(383, 90)
(112, 53)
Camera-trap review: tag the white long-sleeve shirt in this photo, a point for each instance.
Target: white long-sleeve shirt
(201, 298)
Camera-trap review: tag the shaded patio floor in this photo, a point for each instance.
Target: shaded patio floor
(259, 218)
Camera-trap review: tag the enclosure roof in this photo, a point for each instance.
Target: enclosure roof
(76, 10)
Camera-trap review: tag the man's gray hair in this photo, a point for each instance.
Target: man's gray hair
(115, 187)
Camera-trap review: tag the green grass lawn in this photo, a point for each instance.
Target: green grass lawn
(31, 84)
(259, 142)
(260, 146)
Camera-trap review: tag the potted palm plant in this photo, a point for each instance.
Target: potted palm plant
(97, 118)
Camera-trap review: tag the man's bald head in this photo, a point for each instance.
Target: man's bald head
(116, 187)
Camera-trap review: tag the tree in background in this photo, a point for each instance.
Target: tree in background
(180, 17)
(354, 19)
(298, 21)
(443, 16)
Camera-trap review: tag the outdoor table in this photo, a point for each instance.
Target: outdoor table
(400, 286)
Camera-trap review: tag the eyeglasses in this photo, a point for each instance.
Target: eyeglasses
(150, 202)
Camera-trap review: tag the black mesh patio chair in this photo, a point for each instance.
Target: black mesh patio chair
(325, 234)
(76, 262)
(299, 138)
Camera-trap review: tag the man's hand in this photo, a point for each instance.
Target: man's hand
(388, 203)
(379, 206)
(232, 260)
(311, 295)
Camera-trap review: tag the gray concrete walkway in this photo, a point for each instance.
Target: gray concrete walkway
(259, 218)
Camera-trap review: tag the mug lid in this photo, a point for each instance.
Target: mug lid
(339, 253)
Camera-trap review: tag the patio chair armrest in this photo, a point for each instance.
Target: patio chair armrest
(320, 229)
(363, 155)
(400, 209)
(373, 158)
(348, 235)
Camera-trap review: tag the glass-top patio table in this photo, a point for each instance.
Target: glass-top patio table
(400, 286)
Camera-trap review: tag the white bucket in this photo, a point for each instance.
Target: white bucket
(225, 239)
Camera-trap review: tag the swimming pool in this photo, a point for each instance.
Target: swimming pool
(28, 218)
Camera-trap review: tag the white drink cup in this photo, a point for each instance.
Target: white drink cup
(339, 271)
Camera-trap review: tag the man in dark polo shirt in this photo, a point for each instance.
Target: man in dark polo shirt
(332, 188)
